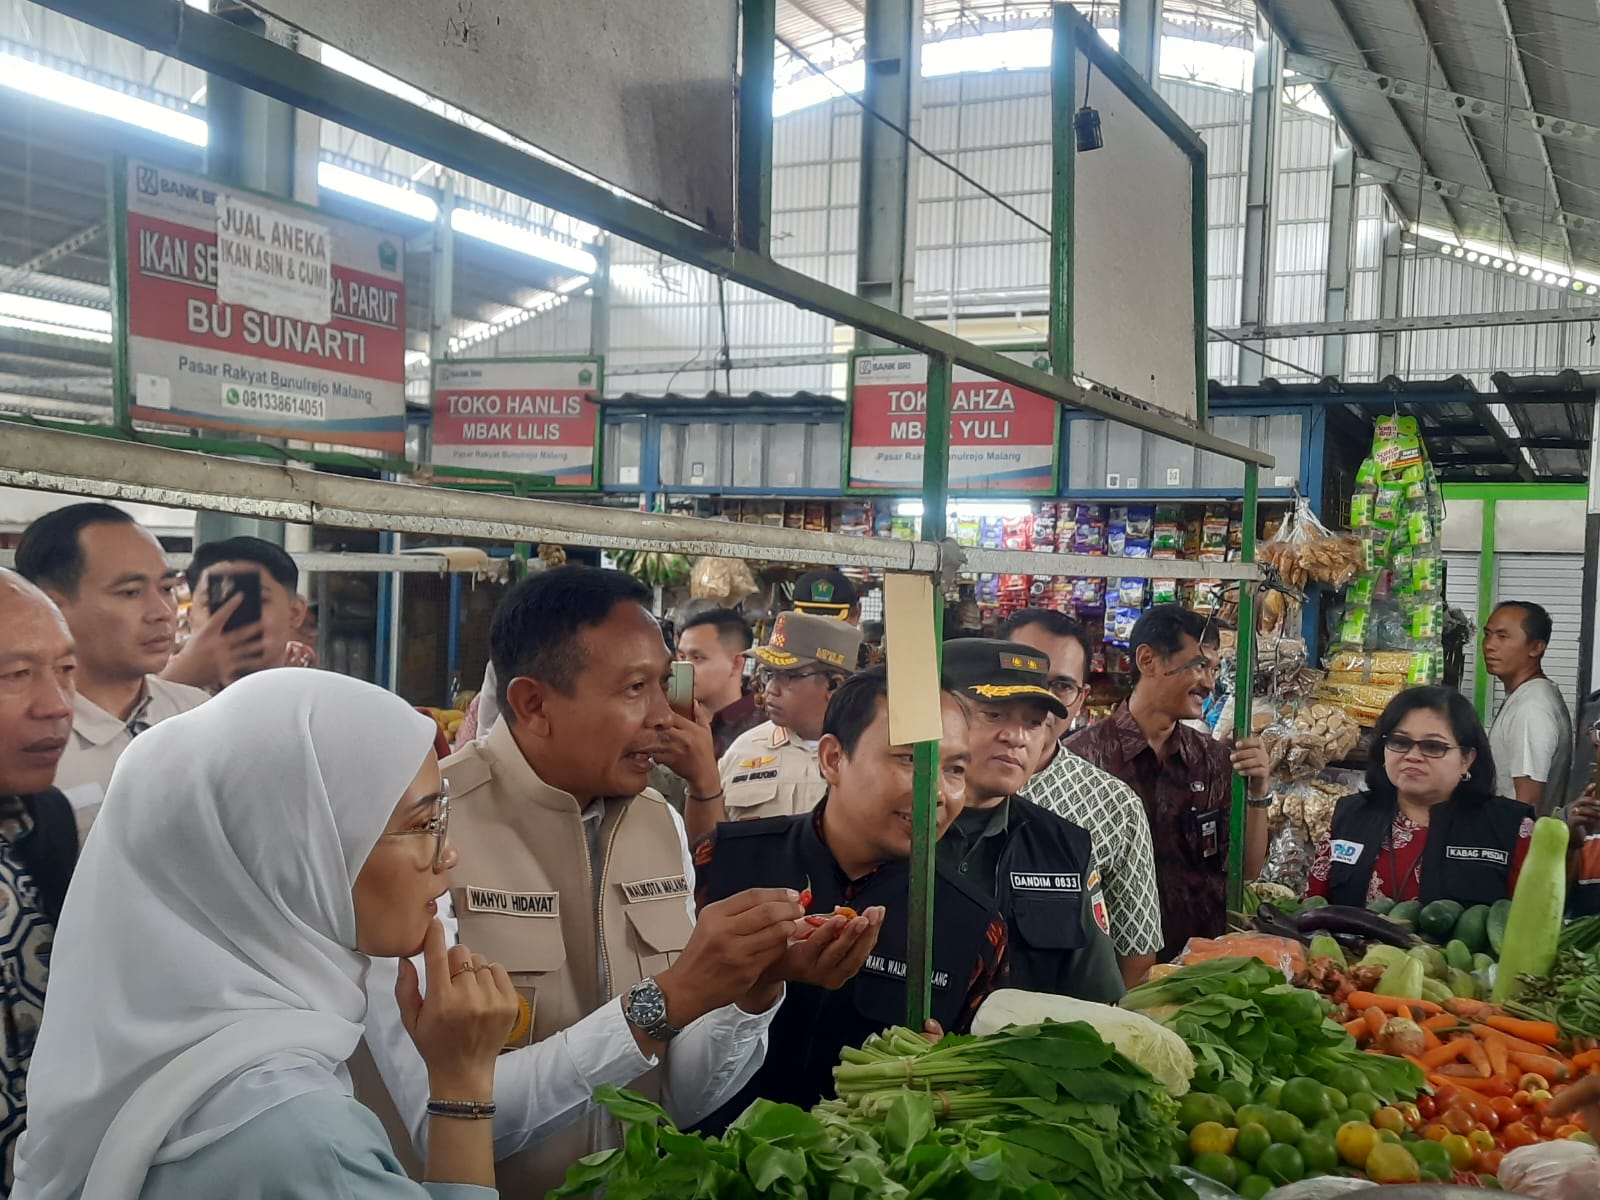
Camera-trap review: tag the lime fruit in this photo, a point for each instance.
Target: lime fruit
(1285, 1127)
(1392, 1164)
(1216, 1166)
(1348, 1080)
(1271, 1094)
(1252, 1114)
(1306, 1099)
(1364, 1103)
(1254, 1187)
(1320, 1154)
(1211, 1137)
(1355, 1141)
(1234, 1092)
(1433, 1159)
(1282, 1164)
(1199, 1107)
(1253, 1139)
(1337, 1099)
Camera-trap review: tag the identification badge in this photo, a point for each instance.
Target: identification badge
(1097, 903)
(513, 904)
(1483, 854)
(655, 889)
(1021, 882)
(1210, 833)
(1345, 853)
(877, 964)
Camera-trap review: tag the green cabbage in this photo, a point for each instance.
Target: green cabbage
(1152, 1046)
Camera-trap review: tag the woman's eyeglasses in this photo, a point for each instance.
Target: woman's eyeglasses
(1399, 743)
(437, 828)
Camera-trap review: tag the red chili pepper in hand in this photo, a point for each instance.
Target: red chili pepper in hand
(805, 894)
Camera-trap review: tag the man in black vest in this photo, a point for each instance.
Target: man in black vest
(1039, 868)
(38, 835)
(853, 850)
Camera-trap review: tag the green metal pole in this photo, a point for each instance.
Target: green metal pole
(117, 234)
(1063, 152)
(754, 180)
(1482, 688)
(1243, 676)
(925, 757)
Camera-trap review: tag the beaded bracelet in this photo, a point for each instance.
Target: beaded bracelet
(471, 1110)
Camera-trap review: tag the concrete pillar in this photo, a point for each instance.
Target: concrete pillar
(1341, 228)
(1266, 91)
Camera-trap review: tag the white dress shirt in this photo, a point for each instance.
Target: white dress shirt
(542, 1087)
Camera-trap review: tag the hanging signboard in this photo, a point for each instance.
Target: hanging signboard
(248, 313)
(1002, 439)
(520, 416)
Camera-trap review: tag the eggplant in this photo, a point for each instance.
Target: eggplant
(1354, 945)
(1271, 919)
(1339, 918)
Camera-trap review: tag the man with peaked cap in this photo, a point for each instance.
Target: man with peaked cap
(1037, 867)
(771, 771)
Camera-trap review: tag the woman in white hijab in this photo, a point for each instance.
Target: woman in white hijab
(207, 982)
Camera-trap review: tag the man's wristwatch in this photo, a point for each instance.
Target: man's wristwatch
(1262, 801)
(645, 1007)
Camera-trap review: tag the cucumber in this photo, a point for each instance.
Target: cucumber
(1437, 921)
(1323, 946)
(1532, 935)
(1499, 914)
(1406, 913)
(1457, 955)
(1473, 928)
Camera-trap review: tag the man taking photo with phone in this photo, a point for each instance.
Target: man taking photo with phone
(246, 609)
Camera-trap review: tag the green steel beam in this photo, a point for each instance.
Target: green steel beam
(1243, 677)
(216, 46)
(1516, 491)
(1063, 178)
(925, 755)
(753, 194)
(1481, 688)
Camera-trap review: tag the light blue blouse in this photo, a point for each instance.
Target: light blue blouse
(319, 1146)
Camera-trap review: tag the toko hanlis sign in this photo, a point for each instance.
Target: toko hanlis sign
(1002, 438)
(522, 416)
(248, 313)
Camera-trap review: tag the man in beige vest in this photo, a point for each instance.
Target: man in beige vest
(579, 881)
(771, 771)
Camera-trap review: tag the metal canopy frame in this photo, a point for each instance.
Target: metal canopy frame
(53, 460)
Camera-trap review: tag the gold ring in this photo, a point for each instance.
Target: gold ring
(462, 969)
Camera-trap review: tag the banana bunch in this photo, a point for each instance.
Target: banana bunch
(653, 567)
(449, 721)
(552, 555)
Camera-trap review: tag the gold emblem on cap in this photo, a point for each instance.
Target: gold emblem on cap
(1001, 691)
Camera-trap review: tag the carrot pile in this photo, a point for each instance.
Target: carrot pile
(1468, 1044)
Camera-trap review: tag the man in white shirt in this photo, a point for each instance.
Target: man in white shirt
(111, 580)
(1532, 736)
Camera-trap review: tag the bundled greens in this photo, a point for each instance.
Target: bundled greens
(1568, 994)
(1036, 1113)
(1243, 1021)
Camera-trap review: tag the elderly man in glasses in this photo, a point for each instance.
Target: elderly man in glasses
(771, 770)
(1184, 778)
(1096, 800)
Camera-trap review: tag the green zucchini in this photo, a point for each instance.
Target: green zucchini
(1499, 913)
(1533, 928)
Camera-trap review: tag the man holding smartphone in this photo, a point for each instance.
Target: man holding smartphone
(246, 608)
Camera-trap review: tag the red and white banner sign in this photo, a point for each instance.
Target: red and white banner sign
(520, 416)
(198, 361)
(1002, 439)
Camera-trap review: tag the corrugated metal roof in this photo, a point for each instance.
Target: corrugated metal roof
(1503, 183)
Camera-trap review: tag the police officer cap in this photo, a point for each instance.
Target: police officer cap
(800, 639)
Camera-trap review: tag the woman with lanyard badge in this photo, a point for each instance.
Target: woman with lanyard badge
(1427, 826)
(207, 982)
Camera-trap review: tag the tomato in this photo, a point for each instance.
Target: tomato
(1435, 1132)
(1487, 1162)
(1549, 1127)
(1481, 1139)
(1444, 1096)
(1567, 1130)
(1458, 1120)
(1390, 1119)
(1523, 1098)
(1427, 1106)
(1409, 1113)
(1505, 1108)
(1516, 1135)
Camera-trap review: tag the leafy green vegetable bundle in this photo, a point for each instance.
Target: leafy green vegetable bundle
(1035, 1113)
(1244, 1021)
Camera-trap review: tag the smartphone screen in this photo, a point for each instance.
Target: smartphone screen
(680, 689)
(220, 589)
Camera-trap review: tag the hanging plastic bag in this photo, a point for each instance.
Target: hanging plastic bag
(1561, 1170)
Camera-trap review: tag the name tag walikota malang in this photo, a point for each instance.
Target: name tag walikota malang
(655, 889)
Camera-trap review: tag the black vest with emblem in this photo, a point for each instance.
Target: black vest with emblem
(814, 1024)
(1041, 886)
(1583, 898)
(1468, 856)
